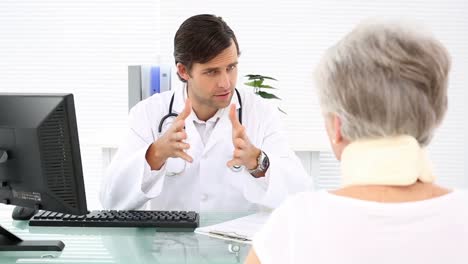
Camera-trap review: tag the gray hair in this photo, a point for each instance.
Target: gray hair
(385, 79)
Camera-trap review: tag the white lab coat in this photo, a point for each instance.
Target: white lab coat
(206, 184)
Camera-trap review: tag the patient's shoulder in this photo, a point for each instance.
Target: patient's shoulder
(305, 200)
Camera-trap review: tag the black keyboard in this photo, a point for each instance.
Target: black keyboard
(161, 219)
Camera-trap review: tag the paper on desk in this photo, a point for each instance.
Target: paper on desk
(240, 230)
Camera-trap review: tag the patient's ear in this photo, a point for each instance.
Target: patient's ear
(338, 142)
(182, 71)
(337, 136)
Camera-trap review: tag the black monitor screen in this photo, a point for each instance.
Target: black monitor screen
(40, 163)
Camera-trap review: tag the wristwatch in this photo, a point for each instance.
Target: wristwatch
(262, 164)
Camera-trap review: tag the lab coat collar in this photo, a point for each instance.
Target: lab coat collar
(180, 95)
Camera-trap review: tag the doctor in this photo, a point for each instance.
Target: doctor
(206, 146)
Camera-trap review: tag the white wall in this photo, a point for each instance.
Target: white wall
(85, 47)
(82, 47)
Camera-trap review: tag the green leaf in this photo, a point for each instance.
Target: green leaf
(281, 110)
(269, 78)
(255, 83)
(259, 77)
(253, 76)
(268, 95)
(267, 86)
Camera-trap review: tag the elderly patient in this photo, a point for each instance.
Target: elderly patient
(383, 91)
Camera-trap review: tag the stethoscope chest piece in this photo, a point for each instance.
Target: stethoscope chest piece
(236, 168)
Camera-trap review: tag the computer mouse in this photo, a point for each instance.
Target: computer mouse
(23, 213)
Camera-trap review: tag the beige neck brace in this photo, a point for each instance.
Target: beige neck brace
(388, 161)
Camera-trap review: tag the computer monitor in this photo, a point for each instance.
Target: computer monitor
(40, 162)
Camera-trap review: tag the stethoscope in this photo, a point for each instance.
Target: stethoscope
(171, 114)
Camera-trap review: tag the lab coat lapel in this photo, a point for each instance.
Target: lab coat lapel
(223, 129)
(193, 137)
(179, 100)
(221, 132)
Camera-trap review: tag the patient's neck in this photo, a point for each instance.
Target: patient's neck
(393, 194)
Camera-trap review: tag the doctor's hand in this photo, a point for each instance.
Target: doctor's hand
(171, 144)
(245, 154)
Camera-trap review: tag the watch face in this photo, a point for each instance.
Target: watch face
(265, 162)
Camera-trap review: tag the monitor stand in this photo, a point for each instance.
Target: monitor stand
(10, 242)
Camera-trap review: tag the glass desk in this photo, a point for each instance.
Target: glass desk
(125, 245)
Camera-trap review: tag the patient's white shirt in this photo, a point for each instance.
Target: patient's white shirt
(324, 228)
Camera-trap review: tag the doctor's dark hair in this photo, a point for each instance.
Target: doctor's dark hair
(200, 38)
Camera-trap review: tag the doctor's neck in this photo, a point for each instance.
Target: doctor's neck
(203, 110)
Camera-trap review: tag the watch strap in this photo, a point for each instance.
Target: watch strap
(262, 160)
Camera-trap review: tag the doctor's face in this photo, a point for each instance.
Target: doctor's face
(211, 84)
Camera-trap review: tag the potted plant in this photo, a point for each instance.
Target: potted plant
(257, 82)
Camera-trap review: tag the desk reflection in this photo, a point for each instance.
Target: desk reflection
(149, 246)
(128, 245)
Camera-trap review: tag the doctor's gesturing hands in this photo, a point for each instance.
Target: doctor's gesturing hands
(245, 153)
(171, 144)
(222, 174)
